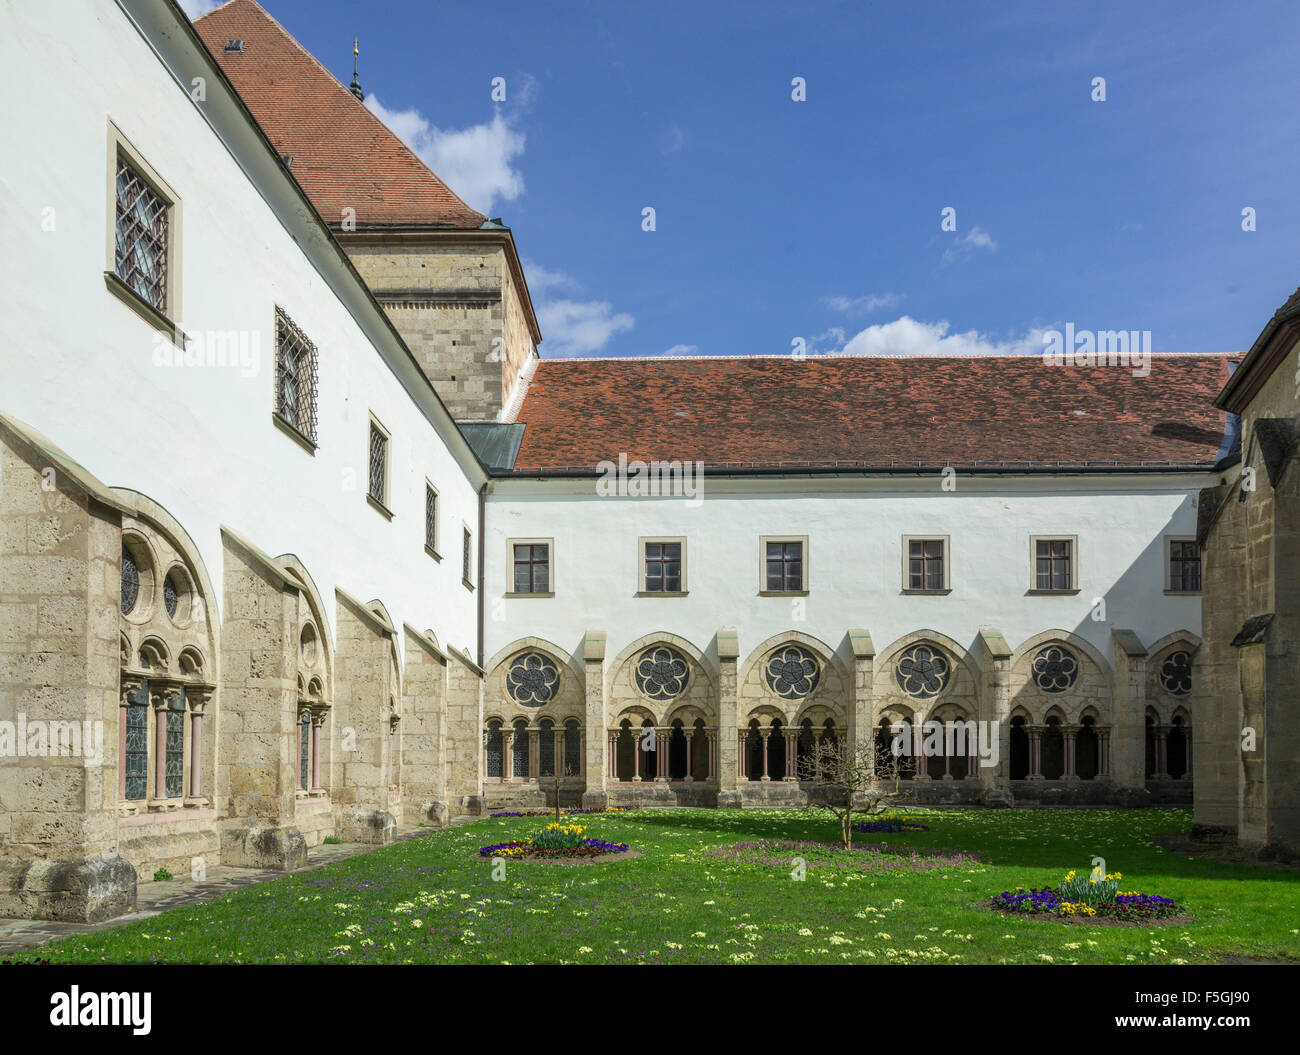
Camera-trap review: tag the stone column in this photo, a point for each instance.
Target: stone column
(861, 732)
(160, 696)
(728, 767)
(995, 710)
(534, 763)
(690, 761)
(1069, 733)
(317, 720)
(661, 756)
(1103, 753)
(638, 750)
(1035, 753)
(508, 752)
(1161, 733)
(711, 735)
(765, 736)
(599, 772)
(791, 756)
(612, 755)
(921, 762)
(1128, 745)
(1187, 739)
(742, 756)
(197, 699)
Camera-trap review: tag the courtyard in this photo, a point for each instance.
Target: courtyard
(719, 886)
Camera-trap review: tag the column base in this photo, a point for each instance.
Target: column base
(278, 849)
(729, 799)
(997, 798)
(367, 826)
(595, 800)
(71, 890)
(435, 814)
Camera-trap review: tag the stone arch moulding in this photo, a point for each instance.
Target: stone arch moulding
(563, 657)
(1190, 641)
(298, 574)
(920, 637)
(701, 689)
(795, 637)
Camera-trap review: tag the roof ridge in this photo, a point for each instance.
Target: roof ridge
(848, 355)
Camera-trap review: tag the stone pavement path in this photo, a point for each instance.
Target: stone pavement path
(153, 898)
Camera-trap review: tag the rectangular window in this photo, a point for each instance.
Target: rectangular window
(378, 480)
(467, 550)
(430, 518)
(174, 763)
(784, 564)
(663, 565)
(532, 566)
(1054, 564)
(304, 753)
(141, 235)
(1184, 566)
(137, 744)
(295, 377)
(925, 563)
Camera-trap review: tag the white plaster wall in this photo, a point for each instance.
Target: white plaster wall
(79, 365)
(855, 530)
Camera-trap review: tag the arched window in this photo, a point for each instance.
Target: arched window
(1087, 750)
(1053, 748)
(1019, 761)
(495, 751)
(137, 743)
(754, 752)
(1150, 754)
(626, 751)
(677, 752)
(776, 750)
(700, 762)
(572, 748)
(1176, 750)
(304, 750)
(804, 749)
(546, 749)
(519, 748)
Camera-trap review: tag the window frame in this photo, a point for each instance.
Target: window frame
(1169, 566)
(549, 543)
(467, 556)
(806, 574)
(946, 563)
(433, 550)
(291, 428)
(1073, 541)
(162, 320)
(380, 503)
(652, 540)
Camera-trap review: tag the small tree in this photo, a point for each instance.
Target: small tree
(851, 779)
(568, 772)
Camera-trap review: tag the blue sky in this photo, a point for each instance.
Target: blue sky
(821, 219)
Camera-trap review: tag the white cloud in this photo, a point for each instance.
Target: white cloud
(865, 304)
(672, 140)
(543, 282)
(196, 9)
(574, 327)
(975, 238)
(479, 162)
(683, 349)
(907, 336)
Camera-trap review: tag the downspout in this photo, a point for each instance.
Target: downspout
(482, 548)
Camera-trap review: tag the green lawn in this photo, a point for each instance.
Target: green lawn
(431, 900)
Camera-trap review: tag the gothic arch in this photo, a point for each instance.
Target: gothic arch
(831, 690)
(570, 697)
(1093, 685)
(961, 688)
(700, 691)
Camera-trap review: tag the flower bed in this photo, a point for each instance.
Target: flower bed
(890, 824)
(551, 813)
(1097, 899)
(555, 841)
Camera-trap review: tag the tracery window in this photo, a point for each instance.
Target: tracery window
(792, 672)
(532, 680)
(1055, 669)
(130, 581)
(923, 672)
(661, 673)
(1176, 673)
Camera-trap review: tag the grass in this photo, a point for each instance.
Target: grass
(432, 900)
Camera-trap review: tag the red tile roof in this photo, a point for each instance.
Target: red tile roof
(871, 411)
(343, 156)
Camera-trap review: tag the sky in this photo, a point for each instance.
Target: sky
(820, 220)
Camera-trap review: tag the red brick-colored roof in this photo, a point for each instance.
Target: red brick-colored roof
(875, 412)
(343, 156)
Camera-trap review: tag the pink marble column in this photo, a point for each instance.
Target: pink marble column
(766, 736)
(742, 763)
(1035, 755)
(160, 744)
(196, 752)
(662, 767)
(534, 738)
(316, 721)
(613, 755)
(791, 756)
(1103, 753)
(1070, 772)
(712, 738)
(690, 744)
(637, 752)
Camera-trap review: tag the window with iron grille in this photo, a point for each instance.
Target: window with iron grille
(785, 566)
(430, 518)
(378, 463)
(140, 236)
(663, 567)
(1184, 566)
(467, 545)
(295, 376)
(1053, 561)
(532, 568)
(175, 760)
(925, 564)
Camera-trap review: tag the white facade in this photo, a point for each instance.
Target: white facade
(855, 529)
(90, 373)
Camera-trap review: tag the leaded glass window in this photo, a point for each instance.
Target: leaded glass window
(1052, 560)
(519, 748)
(495, 750)
(923, 672)
(304, 752)
(785, 566)
(1055, 669)
(663, 567)
(169, 595)
(532, 680)
(546, 749)
(140, 236)
(572, 748)
(661, 673)
(295, 376)
(130, 581)
(532, 563)
(1176, 674)
(378, 463)
(792, 672)
(137, 743)
(175, 761)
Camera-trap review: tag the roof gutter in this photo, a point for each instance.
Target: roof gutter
(724, 472)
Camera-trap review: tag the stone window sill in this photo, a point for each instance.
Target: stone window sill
(388, 513)
(1182, 593)
(1058, 593)
(433, 553)
(467, 584)
(513, 596)
(294, 433)
(929, 593)
(783, 593)
(663, 593)
(145, 310)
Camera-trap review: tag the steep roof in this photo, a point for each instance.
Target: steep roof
(343, 156)
(872, 412)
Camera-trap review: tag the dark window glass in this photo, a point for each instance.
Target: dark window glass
(532, 568)
(495, 750)
(785, 566)
(378, 462)
(137, 744)
(1053, 564)
(925, 564)
(663, 567)
(1184, 566)
(175, 762)
(295, 376)
(140, 239)
(464, 557)
(430, 517)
